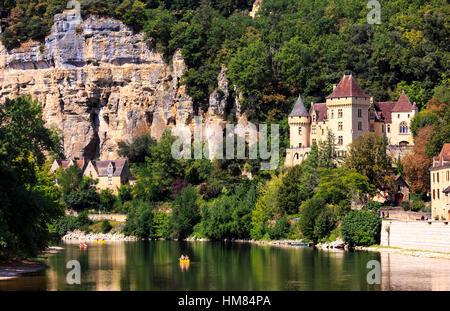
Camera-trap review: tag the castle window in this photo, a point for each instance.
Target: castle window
(323, 132)
(408, 115)
(340, 140)
(437, 176)
(403, 128)
(340, 126)
(359, 113)
(434, 197)
(433, 177)
(448, 175)
(388, 128)
(339, 113)
(314, 117)
(438, 193)
(299, 131)
(109, 180)
(371, 128)
(398, 116)
(332, 114)
(313, 129)
(359, 126)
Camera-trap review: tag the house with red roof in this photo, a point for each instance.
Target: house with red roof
(347, 113)
(440, 184)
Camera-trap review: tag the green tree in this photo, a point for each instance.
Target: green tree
(367, 155)
(85, 197)
(70, 179)
(289, 198)
(185, 212)
(361, 228)
(27, 191)
(107, 200)
(140, 220)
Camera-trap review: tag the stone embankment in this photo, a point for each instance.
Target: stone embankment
(81, 236)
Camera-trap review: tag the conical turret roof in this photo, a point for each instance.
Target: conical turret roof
(403, 104)
(348, 87)
(299, 109)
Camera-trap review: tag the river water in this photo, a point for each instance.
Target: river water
(234, 266)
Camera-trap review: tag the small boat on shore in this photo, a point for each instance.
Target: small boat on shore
(83, 246)
(300, 244)
(100, 241)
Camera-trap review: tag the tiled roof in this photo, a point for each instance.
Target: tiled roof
(102, 167)
(299, 109)
(64, 164)
(403, 104)
(321, 109)
(348, 87)
(444, 155)
(384, 110)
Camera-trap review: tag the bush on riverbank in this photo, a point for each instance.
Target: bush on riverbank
(64, 224)
(361, 228)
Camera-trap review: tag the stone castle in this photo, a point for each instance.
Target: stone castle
(347, 113)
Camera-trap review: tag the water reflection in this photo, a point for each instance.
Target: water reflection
(219, 266)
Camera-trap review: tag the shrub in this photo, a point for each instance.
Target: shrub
(361, 228)
(106, 226)
(140, 221)
(281, 229)
(107, 200)
(82, 221)
(316, 219)
(177, 186)
(209, 191)
(405, 205)
(373, 206)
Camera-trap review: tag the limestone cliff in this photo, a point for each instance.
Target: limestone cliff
(98, 82)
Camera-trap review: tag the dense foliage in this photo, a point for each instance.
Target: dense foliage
(290, 47)
(361, 228)
(28, 196)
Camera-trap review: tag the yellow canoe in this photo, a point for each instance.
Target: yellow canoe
(184, 261)
(97, 241)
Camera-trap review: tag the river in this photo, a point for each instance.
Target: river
(234, 266)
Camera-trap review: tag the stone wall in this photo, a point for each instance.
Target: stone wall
(405, 215)
(421, 235)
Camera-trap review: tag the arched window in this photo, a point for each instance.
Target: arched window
(403, 128)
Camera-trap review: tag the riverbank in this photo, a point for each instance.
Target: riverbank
(409, 252)
(78, 235)
(15, 268)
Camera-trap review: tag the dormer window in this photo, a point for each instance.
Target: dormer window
(110, 169)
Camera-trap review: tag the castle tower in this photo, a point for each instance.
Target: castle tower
(348, 112)
(299, 133)
(299, 124)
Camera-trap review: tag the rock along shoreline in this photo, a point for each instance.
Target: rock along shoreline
(81, 236)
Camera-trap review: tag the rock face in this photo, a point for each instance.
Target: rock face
(98, 82)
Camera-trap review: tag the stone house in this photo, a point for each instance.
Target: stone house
(111, 174)
(440, 184)
(349, 112)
